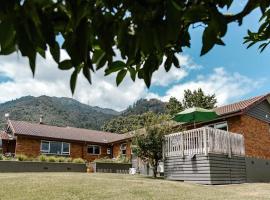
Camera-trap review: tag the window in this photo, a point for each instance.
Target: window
(66, 148)
(45, 147)
(222, 126)
(123, 148)
(93, 149)
(54, 147)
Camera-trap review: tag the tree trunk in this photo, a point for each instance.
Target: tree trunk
(155, 165)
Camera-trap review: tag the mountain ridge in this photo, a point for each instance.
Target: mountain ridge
(64, 111)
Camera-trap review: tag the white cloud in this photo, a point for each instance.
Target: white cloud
(227, 86)
(161, 78)
(51, 81)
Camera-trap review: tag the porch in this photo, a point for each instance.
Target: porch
(205, 155)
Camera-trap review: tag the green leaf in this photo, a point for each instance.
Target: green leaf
(65, 65)
(55, 52)
(175, 61)
(86, 73)
(99, 58)
(32, 63)
(133, 73)
(73, 81)
(209, 39)
(120, 76)
(168, 63)
(114, 67)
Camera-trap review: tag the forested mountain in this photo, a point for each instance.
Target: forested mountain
(56, 111)
(62, 111)
(145, 105)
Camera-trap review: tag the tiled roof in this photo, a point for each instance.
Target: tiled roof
(4, 135)
(65, 133)
(239, 106)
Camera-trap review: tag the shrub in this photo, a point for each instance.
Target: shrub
(22, 157)
(69, 160)
(61, 159)
(1, 157)
(52, 159)
(43, 158)
(78, 160)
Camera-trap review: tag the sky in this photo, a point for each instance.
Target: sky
(231, 72)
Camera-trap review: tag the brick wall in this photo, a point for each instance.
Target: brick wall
(256, 134)
(117, 151)
(31, 147)
(27, 146)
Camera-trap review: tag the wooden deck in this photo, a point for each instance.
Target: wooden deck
(205, 155)
(203, 141)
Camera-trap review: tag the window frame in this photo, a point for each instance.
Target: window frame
(123, 149)
(62, 153)
(216, 125)
(93, 145)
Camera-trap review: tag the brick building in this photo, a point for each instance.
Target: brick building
(34, 139)
(251, 118)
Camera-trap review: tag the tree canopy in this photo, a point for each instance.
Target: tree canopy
(144, 32)
(196, 98)
(123, 124)
(148, 145)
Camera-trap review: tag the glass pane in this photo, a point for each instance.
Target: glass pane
(90, 150)
(56, 147)
(45, 146)
(124, 152)
(65, 147)
(97, 150)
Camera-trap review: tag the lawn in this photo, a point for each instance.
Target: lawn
(77, 186)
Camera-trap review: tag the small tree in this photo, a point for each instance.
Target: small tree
(198, 98)
(173, 106)
(149, 144)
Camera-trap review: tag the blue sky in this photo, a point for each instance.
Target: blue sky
(234, 57)
(232, 72)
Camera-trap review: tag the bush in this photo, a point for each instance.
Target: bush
(78, 160)
(52, 159)
(69, 160)
(61, 159)
(22, 157)
(1, 157)
(43, 158)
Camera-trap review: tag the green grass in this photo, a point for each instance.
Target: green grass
(78, 186)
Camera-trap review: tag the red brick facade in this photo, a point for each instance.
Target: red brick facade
(256, 134)
(31, 147)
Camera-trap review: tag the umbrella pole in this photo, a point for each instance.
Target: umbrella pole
(194, 124)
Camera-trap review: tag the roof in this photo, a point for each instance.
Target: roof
(240, 106)
(4, 135)
(64, 133)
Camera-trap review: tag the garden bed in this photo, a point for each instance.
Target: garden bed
(35, 166)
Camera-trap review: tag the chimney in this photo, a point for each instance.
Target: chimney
(7, 116)
(41, 119)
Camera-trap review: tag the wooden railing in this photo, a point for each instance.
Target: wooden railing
(203, 141)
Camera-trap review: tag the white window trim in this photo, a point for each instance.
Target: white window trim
(94, 151)
(48, 152)
(216, 125)
(65, 152)
(123, 148)
(109, 151)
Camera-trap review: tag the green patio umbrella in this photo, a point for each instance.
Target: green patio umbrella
(195, 115)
